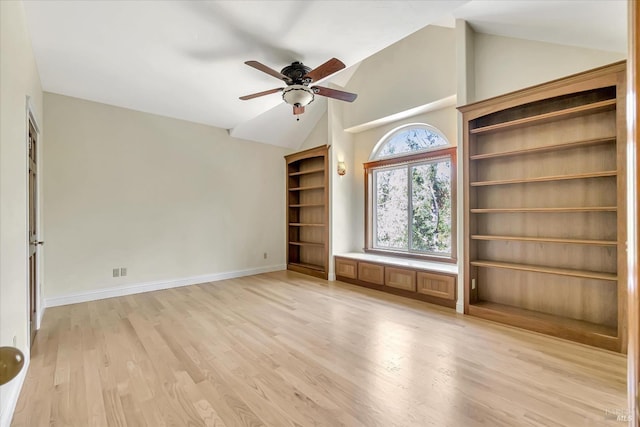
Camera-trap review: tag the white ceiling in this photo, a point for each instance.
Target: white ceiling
(595, 24)
(184, 59)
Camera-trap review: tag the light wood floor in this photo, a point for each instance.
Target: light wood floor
(284, 349)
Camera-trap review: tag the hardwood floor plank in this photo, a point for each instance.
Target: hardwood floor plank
(284, 349)
(229, 408)
(238, 377)
(152, 413)
(95, 406)
(131, 411)
(113, 408)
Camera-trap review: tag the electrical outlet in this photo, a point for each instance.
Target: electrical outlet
(265, 255)
(473, 283)
(15, 341)
(116, 272)
(123, 271)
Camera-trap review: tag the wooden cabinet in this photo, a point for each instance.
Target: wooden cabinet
(544, 208)
(307, 212)
(347, 268)
(401, 278)
(436, 285)
(372, 273)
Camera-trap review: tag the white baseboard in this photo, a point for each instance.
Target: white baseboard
(460, 306)
(40, 314)
(12, 391)
(155, 286)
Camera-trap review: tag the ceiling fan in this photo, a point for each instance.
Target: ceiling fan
(299, 79)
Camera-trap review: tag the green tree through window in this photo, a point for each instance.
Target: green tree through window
(411, 181)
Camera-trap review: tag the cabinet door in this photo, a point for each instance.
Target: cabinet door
(436, 285)
(400, 278)
(346, 268)
(372, 273)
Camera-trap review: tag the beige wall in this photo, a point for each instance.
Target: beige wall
(18, 79)
(342, 187)
(165, 198)
(465, 62)
(504, 64)
(417, 70)
(318, 136)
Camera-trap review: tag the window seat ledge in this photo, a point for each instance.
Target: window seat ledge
(440, 267)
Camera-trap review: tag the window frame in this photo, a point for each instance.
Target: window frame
(437, 153)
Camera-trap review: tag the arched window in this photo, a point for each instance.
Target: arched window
(408, 139)
(411, 194)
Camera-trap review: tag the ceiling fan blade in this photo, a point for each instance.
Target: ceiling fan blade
(331, 66)
(334, 93)
(266, 92)
(298, 110)
(258, 66)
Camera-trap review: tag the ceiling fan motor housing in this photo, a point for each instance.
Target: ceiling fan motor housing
(296, 71)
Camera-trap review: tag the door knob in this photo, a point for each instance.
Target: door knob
(11, 362)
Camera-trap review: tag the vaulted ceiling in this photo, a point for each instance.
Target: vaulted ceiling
(184, 59)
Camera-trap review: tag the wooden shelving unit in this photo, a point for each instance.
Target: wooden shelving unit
(309, 187)
(307, 212)
(609, 104)
(544, 208)
(546, 240)
(546, 270)
(307, 244)
(572, 329)
(548, 210)
(546, 178)
(544, 149)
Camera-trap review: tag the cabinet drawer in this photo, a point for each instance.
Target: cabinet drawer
(346, 268)
(400, 278)
(436, 285)
(371, 273)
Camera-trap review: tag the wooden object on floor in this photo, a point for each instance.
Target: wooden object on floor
(308, 211)
(285, 349)
(544, 208)
(411, 279)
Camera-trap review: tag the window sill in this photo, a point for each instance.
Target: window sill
(442, 267)
(409, 255)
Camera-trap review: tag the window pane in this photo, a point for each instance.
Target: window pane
(431, 199)
(415, 139)
(391, 218)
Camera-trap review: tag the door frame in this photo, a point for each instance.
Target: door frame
(633, 209)
(30, 117)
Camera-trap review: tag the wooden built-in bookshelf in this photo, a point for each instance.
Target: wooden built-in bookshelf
(307, 212)
(544, 208)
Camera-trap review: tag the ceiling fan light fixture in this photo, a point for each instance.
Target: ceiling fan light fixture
(298, 95)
